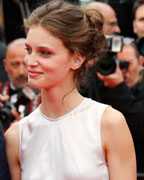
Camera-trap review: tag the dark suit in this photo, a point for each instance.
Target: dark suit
(3, 74)
(21, 100)
(4, 170)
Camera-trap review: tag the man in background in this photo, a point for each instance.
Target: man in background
(23, 99)
(110, 27)
(124, 90)
(138, 22)
(14, 63)
(110, 20)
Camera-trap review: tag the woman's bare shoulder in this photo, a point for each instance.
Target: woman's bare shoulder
(12, 133)
(114, 127)
(113, 118)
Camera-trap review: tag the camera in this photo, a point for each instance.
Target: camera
(23, 98)
(6, 116)
(107, 65)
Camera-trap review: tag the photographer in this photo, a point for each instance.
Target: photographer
(20, 99)
(124, 90)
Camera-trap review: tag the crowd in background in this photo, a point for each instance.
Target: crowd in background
(123, 89)
(15, 10)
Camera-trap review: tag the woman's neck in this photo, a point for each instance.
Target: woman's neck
(55, 104)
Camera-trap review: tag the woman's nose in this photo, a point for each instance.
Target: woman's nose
(30, 60)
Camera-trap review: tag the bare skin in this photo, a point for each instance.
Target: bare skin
(14, 63)
(16, 69)
(116, 139)
(130, 76)
(121, 161)
(110, 20)
(138, 22)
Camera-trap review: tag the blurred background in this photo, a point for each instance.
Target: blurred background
(12, 13)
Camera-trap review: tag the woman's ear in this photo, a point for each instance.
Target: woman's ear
(78, 59)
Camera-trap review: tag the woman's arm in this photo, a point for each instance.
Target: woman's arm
(118, 146)
(12, 149)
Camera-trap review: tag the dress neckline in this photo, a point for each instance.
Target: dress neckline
(63, 116)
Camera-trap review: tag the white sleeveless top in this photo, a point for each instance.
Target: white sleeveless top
(66, 148)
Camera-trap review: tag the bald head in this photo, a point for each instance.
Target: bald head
(14, 63)
(110, 19)
(14, 45)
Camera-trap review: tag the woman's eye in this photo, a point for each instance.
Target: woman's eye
(28, 50)
(45, 53)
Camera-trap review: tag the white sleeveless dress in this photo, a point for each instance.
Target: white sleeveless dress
(66, 148)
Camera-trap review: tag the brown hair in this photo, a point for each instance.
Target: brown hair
(79, 28)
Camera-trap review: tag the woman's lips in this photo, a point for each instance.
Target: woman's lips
(34, 74)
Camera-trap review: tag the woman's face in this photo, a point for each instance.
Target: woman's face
(48, 60)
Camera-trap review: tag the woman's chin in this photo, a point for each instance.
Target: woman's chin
(33, 85)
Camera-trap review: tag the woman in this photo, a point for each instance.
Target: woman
(68, 136)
